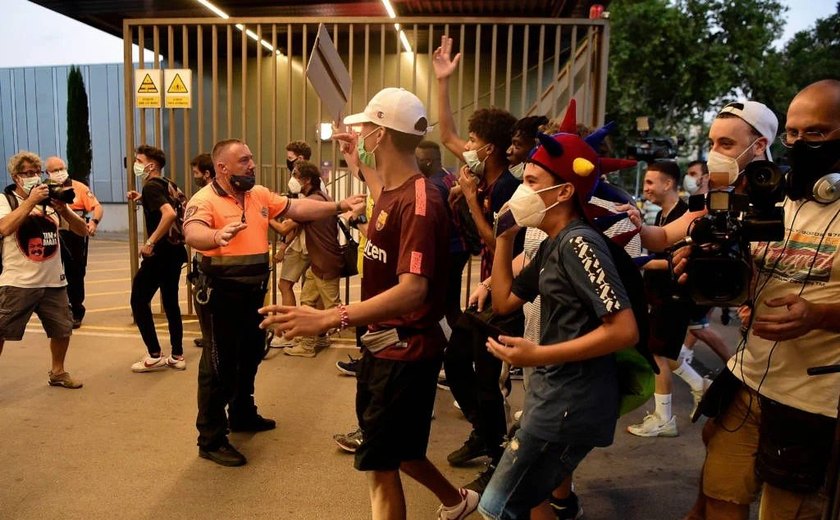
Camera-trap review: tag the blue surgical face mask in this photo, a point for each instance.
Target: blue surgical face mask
(365, 157)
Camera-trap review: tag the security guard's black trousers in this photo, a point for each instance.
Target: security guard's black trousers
(232, 352)
(74, 254)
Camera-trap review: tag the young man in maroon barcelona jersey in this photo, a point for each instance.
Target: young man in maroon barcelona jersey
(405, 266)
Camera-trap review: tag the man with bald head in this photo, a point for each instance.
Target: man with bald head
(774, 433)
(227, 223)
(75, 251)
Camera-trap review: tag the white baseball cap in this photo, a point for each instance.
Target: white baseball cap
(394, 108)
(756, 115)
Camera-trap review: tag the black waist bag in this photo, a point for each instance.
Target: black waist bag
(793, 447)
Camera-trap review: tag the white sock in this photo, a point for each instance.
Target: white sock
(690, 376)
(663, 406)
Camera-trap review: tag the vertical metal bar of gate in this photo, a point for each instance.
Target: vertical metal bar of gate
(584, 70)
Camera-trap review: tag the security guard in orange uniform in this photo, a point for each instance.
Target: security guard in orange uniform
(74, 250)
(227, 222)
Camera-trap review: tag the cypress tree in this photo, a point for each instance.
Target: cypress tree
(79, 153)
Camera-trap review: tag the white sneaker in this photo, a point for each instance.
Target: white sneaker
(149, 364)
(698, 395)
(687, 355)
(468, 505)
(176, 363)
(653, 426)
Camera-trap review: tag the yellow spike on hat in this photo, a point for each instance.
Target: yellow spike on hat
(582, 167)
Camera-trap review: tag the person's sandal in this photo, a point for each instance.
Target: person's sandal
(64, 380)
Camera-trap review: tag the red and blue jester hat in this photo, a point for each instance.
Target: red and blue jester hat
(574, 159)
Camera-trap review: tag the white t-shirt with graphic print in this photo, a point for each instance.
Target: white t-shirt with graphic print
(806, 260)
(32, 254)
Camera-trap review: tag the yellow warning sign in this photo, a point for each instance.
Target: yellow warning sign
(147, 87)
(178, 87)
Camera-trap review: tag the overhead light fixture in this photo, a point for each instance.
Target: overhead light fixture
(392, 14)
(251, 34)
(325, 131)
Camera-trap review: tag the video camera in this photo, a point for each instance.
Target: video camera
(720, 266)
(650, 148)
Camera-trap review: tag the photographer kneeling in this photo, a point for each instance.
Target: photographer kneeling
(773, 424)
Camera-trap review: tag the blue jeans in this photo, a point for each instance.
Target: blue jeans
(529, 471)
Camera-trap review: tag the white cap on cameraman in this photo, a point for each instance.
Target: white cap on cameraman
(758, 116)
(394, 108)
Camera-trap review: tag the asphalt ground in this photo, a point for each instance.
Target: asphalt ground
(124, 445)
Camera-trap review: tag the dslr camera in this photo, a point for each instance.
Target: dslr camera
(720, 265)
(60, 192)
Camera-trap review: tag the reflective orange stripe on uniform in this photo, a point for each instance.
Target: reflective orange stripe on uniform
(215, 208)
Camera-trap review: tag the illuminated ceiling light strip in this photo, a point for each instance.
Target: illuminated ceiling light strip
(216, 10)
(251, 34)
(392, 14)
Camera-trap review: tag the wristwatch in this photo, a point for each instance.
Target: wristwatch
(355, 221)
(150, 243)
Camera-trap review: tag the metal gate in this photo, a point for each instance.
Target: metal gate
(249, 82)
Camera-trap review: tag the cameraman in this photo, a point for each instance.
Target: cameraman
(32, 278)
(794, 326)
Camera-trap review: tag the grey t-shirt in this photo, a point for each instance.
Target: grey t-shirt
(574, 274)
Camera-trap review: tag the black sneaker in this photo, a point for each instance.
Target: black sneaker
(473, 448)
(517, 374)
(348, 368)
(224, 455)
(257, 423)
(567, 508)
(480, 483)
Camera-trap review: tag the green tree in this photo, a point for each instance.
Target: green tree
(79, 153)
(674, 60)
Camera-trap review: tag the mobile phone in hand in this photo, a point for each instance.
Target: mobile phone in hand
(504, 222)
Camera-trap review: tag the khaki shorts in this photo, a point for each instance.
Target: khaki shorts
(316, 291)
(294, 265)
(729, 470)
(50, 304)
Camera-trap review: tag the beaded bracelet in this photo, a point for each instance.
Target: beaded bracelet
(485, 285)
(344, 316)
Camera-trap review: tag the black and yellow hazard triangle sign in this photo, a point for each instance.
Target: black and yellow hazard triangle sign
(177, 86)
(147, 86)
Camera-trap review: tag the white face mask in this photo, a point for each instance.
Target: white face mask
(294, 186)
(473, 162)
(59, 176)
(527, 206)
(717, 162)
(28, 183)
(690, 184)
(518, 170)
(140, 171)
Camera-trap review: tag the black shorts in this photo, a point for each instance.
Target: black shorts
(394, 404)
(668, 325)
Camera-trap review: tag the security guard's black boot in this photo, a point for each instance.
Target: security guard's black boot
(224, 455)
(256, 423)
